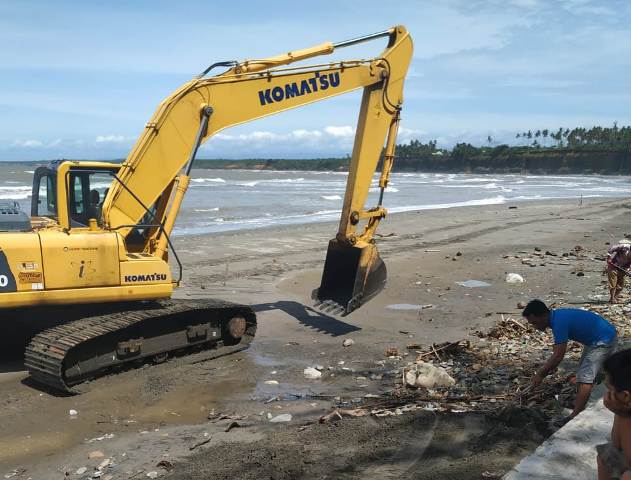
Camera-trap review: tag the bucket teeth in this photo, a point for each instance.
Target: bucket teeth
(329, 306)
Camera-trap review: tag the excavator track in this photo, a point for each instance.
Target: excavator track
(64, 356)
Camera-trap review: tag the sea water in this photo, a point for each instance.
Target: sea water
(225, 200)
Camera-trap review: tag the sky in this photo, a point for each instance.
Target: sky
(80, 79)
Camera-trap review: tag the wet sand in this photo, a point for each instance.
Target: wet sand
(142, 416)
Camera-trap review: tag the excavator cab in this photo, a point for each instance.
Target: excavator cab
(84, 186)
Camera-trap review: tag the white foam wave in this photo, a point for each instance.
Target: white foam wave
(285, 180)
(331, 197)
(15, 193)
(469, 203)
(208, 180)
(327, 212)
(216, 209)
(480, 180)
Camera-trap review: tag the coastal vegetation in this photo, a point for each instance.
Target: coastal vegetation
(603, 150)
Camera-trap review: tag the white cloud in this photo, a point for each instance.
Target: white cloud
(306, 134)
(525, 3)
(27, 143)
(344, 131)
(111, 139)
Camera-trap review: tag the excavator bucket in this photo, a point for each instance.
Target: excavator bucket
(352, 276)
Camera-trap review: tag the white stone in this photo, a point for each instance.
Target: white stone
(72, 413)
(427, 375)
(81, 471)
(271, 382)
(311, 372)
(285, 417)
(514, 278)
(348, 342)
(152, 474)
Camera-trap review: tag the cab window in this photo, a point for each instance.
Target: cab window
(87, 191)
(47, 197)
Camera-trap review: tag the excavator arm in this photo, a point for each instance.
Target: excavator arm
(160, 162)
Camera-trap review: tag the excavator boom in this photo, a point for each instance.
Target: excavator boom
(254, 89)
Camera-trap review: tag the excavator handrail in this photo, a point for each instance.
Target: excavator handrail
(160, 227)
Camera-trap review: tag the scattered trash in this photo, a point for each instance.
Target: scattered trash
(348, 342)
(285, 417)
(104, 464)
(392, 352)
(514, 278)
(338, 414)
(198, 444)
(231, 426)
(165, 464)
(271, 382)
(473, 284)
(80, 471)
(153, 474)
(405, 306)
(215, 417)
(15, 472)
(72, 413)
(311, 372)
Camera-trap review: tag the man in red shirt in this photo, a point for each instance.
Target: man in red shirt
(618, 264)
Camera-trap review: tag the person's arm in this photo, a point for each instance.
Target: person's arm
(558, 352)
(625, 445)
(614, 249)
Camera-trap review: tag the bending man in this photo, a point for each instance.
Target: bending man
(618, 263)
(597, 335)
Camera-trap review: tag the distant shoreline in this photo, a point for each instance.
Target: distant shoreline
(491, 160)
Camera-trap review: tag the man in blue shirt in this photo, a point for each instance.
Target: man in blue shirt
(597, 335)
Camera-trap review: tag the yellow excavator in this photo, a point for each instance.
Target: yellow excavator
(96, 252)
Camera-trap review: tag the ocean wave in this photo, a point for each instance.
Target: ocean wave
(208, 180)
(285, 180)
(498, 200)
(608, 189)
(326, 212)
(331, 197)
(216, 209)
(15, 193)
(387, 190)
(478, 180)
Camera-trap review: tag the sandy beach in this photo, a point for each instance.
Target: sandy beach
(160, 413)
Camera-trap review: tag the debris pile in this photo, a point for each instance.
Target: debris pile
(489, 375)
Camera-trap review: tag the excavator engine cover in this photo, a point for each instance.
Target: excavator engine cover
(352, 275)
